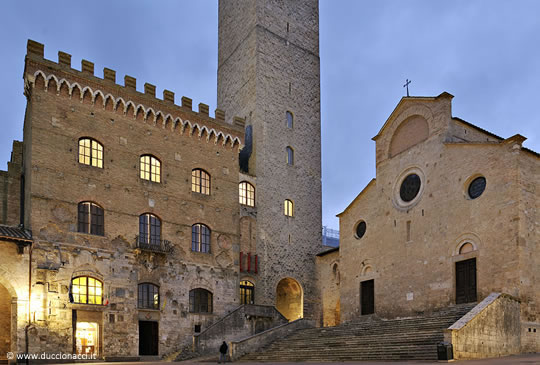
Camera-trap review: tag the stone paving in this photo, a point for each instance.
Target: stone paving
(528, 359)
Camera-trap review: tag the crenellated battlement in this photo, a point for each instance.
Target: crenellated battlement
(105, 92)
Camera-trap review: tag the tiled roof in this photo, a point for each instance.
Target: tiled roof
(15, 233)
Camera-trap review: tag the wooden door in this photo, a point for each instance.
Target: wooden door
(466, 281)
(367, 297)
(148, 338)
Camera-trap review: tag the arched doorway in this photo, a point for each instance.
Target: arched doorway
(290, 299)
(5, 322)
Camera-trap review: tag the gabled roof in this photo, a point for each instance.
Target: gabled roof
(406, 99)
(357, 197)
(477, 128)
(17, 234)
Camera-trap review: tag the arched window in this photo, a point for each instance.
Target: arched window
(90, 218)
(200, 301)
(148, 296)
(86, 290)
(247, 292)
(150, 168)
(246, 194)
(149, 229)
(288, 206)
(290, 155)
(200, 238)
(200, 181)
(290, 119)
(90, 152)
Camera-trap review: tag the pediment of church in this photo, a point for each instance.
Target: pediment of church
(413, 121)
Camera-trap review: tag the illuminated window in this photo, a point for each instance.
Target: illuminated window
(90, 152)
(148, 296)
(90, 218)
(200, 181)
(200, 238)
(200, 301)
(246, 194)
(149, 229)
(86, 290)
(150, 168)
(290, 156)
(247, 290)
(288, 208)
(289, 119)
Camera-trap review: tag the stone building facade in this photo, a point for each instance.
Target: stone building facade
(126, 222)
(451, 216)
(65, 107)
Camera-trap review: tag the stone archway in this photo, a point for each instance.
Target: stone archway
(290, 299)
(5, 322)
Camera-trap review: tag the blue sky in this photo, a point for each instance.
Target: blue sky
(485, 53)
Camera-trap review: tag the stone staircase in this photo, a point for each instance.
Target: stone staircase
(413, 338)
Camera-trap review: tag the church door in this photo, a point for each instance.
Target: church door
(466, 281)
(367, 297)
(148, 338)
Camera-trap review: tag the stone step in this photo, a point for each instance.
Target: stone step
(371, 338)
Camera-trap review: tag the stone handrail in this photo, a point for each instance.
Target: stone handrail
(253, 343)
(240, 323)
(492, 328)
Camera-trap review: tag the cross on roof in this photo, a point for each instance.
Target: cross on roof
(407, 82)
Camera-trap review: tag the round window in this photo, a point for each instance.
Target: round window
(409, 188)
(477, 187)
(360, 229)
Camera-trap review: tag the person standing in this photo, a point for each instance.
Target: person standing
(223, 352)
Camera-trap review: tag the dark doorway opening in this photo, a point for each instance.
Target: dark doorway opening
(466, 281)
(367, 297)
(148, 338)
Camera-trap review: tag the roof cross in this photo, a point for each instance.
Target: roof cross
(407, 82)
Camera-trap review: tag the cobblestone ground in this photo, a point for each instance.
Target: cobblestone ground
(528, 359)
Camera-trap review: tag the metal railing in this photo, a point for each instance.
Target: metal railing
(330, 236)
(153, 245)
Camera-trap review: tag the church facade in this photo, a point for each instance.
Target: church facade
(451, 217)
(130, 223)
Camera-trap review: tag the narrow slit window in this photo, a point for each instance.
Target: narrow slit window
(290, 156)
(288, 208)
(289, 116)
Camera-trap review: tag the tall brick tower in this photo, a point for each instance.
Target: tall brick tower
(269, 73)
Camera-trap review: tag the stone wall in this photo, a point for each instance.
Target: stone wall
(245, 321)
(329, 277)
(14, 284)
(5, 322)
(66, 104)
(10, 187)
(269, 64)
(491, 329)
(528, 241)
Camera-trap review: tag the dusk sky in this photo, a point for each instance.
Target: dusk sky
(485, 53)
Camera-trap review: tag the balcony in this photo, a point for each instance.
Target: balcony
(153, 245)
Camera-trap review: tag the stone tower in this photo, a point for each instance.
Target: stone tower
(269, 66)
